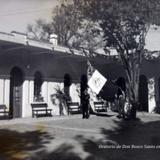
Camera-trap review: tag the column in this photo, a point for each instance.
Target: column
(44, 91)
(157, 93)
(25, 97)
(7, 92)
(31, 91)
(1, 91)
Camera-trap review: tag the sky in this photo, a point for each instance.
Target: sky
(153, 39)
(16, 14)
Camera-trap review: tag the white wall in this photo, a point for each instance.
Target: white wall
(49, 89)
(151, 95)
(93, 98)
(45, 91)
(4, 92)
(27, 98)
(7, 92)
(1, 91)
(48, 92)
(74, 93)
(53, 103)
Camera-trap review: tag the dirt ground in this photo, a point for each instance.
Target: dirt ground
(102, 137)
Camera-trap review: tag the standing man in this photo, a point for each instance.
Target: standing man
(84, 97)
(85, 104)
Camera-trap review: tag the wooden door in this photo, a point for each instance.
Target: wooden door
(143, 93)
(16, 93)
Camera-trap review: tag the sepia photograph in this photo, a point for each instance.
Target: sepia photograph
(79, 79)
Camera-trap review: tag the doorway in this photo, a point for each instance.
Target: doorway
(16, 81)
(120, 82)
(143, 93)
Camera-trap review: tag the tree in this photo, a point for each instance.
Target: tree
(40, 31)
(118, 24)
(65, 22)
(125, 24)
(72, 29)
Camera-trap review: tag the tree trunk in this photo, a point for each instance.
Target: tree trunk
(132, 70)
(133, 111)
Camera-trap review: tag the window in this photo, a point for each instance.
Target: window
(38, 87)
(67, 84)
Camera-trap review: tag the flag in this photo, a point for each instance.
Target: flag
(97, 81)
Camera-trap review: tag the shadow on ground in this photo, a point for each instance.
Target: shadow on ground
(17, 145)
(136, 140)
(125, 134)
(63, 152)
(103, 115)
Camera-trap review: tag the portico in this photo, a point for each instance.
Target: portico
(31, 69)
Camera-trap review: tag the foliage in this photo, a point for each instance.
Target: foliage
(109, 24)
(72, 29)
(62, 97)
(59, 94)
(40, 31)
(125, 25)
(156, 110)
(65, 23)
(38, 98)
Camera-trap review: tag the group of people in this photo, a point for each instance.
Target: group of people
(120, 100)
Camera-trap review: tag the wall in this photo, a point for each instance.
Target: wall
(53, 67)
(4, 91)
(27, 98)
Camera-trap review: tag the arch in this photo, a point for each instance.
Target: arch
(67, 84)
(16, 82)
(143, 93)
(67, 80)
(38, 81)
(121, 82)
(83, 85)
(84, 81)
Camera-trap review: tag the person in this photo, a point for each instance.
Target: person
(116, 103)
(127, 107)
(85, 104)
(121, 103)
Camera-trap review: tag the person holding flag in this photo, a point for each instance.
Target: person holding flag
(100, 85)
(84, 97)
(96, 80)
(85, 104)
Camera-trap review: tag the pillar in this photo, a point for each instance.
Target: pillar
(1, 91)
(25, 99)
(6, 92)
(45, 91)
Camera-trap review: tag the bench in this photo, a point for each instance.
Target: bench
(3, 111)
(40, 109)
(73, 107)
(100, 106)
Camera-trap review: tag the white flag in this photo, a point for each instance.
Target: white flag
(96, 82)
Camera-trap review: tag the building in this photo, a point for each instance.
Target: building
(31, 70)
